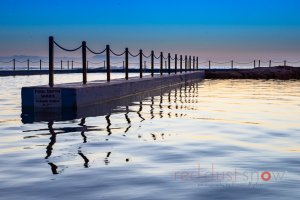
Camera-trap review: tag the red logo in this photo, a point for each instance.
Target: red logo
(266, 176)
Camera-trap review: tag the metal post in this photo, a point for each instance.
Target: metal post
(152, 63)
(166, 66)
(190, 63)
(180, 63)
(185, 59)
(14, 63)
(40, 64)
(270, 63)
(193, 63)
(141, 63)
(107, 63)
(84, 67)
(145, 64)
(68, 65)
(61, 63)
(51, 61)
(197, 63)
(126, 63)
(72, 65)
(285, 63)
(254, 63)
(175, 63)
(258, 63)
(232, 64)
(161, 63)
(209, 65)
(28, 64)
(169, 63)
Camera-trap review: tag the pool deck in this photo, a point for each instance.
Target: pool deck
(74, 95)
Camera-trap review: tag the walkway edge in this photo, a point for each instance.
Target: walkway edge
(75, 95)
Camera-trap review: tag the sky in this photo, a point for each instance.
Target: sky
(210, 29)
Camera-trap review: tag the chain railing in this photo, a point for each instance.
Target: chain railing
(107, 51)
(177, 62)
(173, 64)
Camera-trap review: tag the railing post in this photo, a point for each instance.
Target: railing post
(197, 63)
(107, 63)
(254, 63)
(27, 64)
(40, 64)
(14, 64)
(190, 63)
(232, 64)
(166, 65)
(285, 63)
(169, 63)
(270, 63)
(258, 63)
(161, 63)
(145, 64)
(193, 63)
(84, 67)
(181, 64)
(51, 61)
(175, 63)
(61, 63)
(152, 63)
(141, 63)
(209, 64)
(68, 65)
(185, 67)
(126, 63)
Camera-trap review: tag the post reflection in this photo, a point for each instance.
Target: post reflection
(108, 129)
(128, 121)
(52, 140)
(82, 124)
(53, 168)
(86, 160)
(140, 110)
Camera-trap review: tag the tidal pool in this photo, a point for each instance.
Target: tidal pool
(215, 139)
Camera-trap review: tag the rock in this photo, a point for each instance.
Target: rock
(280, 72)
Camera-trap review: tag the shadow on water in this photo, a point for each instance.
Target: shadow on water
(160, 103)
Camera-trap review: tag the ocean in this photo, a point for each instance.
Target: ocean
(214, 139)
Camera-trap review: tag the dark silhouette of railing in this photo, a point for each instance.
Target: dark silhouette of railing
(73, 65)
(43, 65)
(190, 65)
(176, 64)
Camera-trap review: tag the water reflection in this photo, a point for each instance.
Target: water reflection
(84, 128)
(53, 168)
(52, 140)
(86, 160)
(140, 110)
(162, 103)
(128, 121)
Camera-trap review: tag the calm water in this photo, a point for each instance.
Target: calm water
(217, 139)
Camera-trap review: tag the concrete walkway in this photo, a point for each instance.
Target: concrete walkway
(75, 95)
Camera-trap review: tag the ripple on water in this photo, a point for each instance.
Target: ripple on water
(152, 148)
